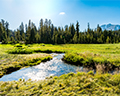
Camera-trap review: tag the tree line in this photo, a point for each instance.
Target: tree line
(49, 34)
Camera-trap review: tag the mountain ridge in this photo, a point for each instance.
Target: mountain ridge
(110, 27)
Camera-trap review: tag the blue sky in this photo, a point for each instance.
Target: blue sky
(61, 12)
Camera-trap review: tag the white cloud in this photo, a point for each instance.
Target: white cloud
(62, 13)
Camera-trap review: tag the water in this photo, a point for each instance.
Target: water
(54, 67)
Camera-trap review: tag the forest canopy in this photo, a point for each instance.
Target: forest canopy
(49, 34)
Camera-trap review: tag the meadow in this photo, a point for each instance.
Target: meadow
(71, 84)
(102, 57)
(96, 56)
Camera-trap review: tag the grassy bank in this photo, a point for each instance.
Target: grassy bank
(99, 62)
(13, 62)
(35, 48)
(80, 84)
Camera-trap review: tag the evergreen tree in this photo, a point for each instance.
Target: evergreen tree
(77, 30)
(75, 40)
(7, 30)
(49, 32)
(12, 40)
(5, 40)
(32, 34)
(108, 39)
(72, 30)
(17, 36)
(23, 37)
(21, 28)
(88, 29)
(28, 32)
(37, 37)
(1, 32)
(99, 29)
(41, 31)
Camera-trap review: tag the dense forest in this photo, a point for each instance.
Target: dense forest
(48, 33)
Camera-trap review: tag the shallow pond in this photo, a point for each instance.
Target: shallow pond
(54, 67)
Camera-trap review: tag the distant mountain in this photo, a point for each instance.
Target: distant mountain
(110, 27)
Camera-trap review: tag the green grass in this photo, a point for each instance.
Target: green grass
(14, 57)
(92, 60)
(71, 84)
(13, 62)
(88, 55)
(103, 49)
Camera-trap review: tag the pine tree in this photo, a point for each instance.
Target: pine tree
(7, 30)
(77, 30)
(5, 40)
(37, 36)
(108, 39)
(28, 31)
(12, 40)
(17, 36)
(21, 28)
(23, 37)
(72, 30)
(32, 34)
(75, 38)
(1, 32)
(41, 31)
(88, 29)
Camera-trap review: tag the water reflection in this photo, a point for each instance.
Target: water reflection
(54, 67)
